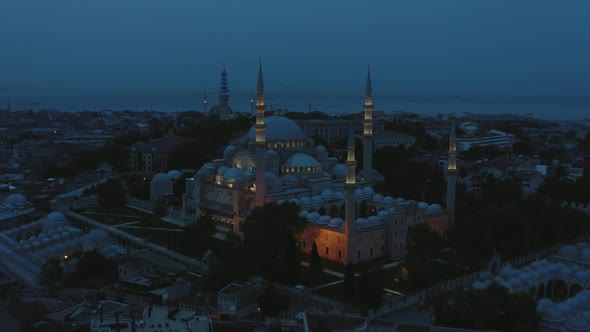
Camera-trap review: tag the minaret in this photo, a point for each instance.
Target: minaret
(205, 103)
(251, 105)
(350, 186)
(368, 129)
(260, 128)
(452, 172)
(223, 96)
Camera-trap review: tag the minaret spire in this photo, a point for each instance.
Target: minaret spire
(368, 129)
(205, 102)
(350, 210)
(223, 96)
(452, 172)
(260, 142)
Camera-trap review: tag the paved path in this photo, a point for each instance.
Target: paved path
(327, 271)
(127, 223)
(328, 284)
(153, 228)
(112, 214)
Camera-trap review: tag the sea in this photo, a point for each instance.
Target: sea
(543, 108)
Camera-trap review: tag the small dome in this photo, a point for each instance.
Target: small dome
(387, 200)
(279, 128)
(233, 173)
(230, 149)
(368, 190)
(422, 205)
(207, 165)
(271, 154)
(269, 176)
(325, 220)
(221, 170)
(55, 217)
(16, 199)
(434, 208)
(295, 200)
(303, 213)
(249, 174)
(313, 216)
(339, 170)
(161, 177)
(383, 213)
(174, 174)
(361, 220)
(359, 192)
(340, 194)
(515, 283)
(301, 160)
(327, 193)
(568, 252)
(377, 197)
(374, 219)
(316, 199)
(305, 200)
(320, 148)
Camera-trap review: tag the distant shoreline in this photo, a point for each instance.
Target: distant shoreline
(344, 104)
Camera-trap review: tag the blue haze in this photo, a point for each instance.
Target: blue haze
(426, 55)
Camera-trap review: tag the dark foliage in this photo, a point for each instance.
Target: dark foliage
(111, 195)
(93, 270)
(51, 274)
(493, 308)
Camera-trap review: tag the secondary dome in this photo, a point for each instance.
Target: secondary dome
(16, 199)
(279, 128)
(174, 174)
(233, 173)
(55, 217)
(301, 160)
(161, 177)
(339, 170)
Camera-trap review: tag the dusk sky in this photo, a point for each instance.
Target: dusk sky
(467, 47)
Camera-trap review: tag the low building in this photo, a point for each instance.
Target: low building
(334, 132)
(497, 138)
(237, 301)
(393, 138)
(154, 318)
(153, 155)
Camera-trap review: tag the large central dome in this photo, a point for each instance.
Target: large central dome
(279, 128)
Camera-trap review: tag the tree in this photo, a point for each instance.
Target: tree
(159, 211)
(522, 148)
(271, 302)
(349, 283)
(493, 308)
(117, 155)
(315, 264)
(111, 195)
(94, 270)
(270, 234)
(51, 274)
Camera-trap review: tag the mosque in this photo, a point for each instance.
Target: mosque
(275, 162)
(24, 249)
